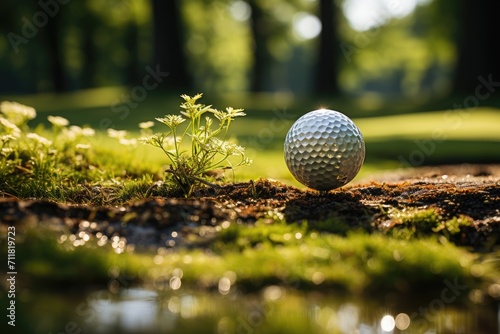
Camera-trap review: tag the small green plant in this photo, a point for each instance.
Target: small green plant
(452, 226)
(408, 223)
(199, 147)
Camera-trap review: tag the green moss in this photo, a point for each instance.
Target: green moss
(256, 256)
(408, 224)
(334, 225)
(420, 221)
(358, 263)
(263, 232)
(453, 226)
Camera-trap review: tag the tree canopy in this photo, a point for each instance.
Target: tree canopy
(422, 48)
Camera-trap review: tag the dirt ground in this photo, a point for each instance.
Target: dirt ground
(471, 190)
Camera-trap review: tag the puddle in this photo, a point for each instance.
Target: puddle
(273, 310)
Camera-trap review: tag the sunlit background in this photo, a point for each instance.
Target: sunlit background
(403, 48)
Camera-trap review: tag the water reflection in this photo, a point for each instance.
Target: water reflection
(135, 310)
(402, 321)
(387, 323)
(275, 309)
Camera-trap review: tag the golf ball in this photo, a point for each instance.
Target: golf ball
(324, 149)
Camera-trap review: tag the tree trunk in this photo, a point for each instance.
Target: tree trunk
(89, 67)
(327, 69)
(262, 57)
(168, 45)
(478, 47)
(131, 40)
(52, 34)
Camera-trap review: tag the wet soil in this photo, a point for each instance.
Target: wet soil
(470, 190)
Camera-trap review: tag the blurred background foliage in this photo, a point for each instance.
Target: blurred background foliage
(417, 49)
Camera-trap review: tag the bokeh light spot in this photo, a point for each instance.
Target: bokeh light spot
(306, 26)
(387, 323)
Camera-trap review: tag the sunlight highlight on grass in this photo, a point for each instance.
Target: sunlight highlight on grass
(481, 123)
(86, 98)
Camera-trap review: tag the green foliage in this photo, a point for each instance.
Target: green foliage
(266, 253)
(208, 148)
(423, 221)
(409, 223)
(262, 232)
(452, 226)
(62, 163)
(219, 54)
(30, 162)
(66, 164)
(356, 263)
(371, 57)
(334, 225)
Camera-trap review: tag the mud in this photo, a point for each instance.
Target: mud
(469, 190)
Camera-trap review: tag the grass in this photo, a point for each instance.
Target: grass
(279, 253)
(324, 256)
(392, 141)
(247, 268)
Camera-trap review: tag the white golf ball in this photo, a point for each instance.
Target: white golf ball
(324, 149)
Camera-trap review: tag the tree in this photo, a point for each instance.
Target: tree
(52, 36)
(168, 44)
(478, 48)
(131, 40)
(326, 64)
(89, 23)
(262, 57)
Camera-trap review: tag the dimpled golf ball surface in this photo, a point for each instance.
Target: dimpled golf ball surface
(324, 149)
